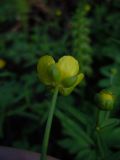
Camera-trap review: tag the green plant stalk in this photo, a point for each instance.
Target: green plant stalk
(48, 126)
(100, 146)
(99, 138)
(107, 114)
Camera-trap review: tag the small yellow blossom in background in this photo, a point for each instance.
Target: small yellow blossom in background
(58, 12)
(106, 96)
(106, 100)
(114, 71)
(87, 8)
(64, 74)
(2, 63)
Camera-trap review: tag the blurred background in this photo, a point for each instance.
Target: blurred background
(87, 30)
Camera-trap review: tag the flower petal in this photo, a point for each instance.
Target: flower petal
(68, 66)
(42, 68)
(2, 63)
(67, 91)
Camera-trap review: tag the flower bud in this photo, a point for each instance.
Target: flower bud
(105, 100)
(114, 71)
(2, 63)
(58, 12)
(70, 81)
(87, 7)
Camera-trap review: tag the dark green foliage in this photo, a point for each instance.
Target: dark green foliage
(80, 34)
(81, 134)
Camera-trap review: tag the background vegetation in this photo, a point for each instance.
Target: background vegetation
(88, 30)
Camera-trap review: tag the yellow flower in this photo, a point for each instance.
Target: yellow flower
(58, 12)
(43, 65)
(66, 91)
(113, 71)
(106, 96)
(87, 7)
(64, 74)
(2, 63)
(68, 66)
(106, 100)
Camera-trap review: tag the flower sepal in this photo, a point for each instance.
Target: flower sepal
(54, 73)
(66, 91)
(69, 82)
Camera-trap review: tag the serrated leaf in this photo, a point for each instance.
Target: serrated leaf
(16, 111)
(74, 128)
(77, 114)
(75, 147)
(112, 122)
(106, 121)
(86, 154)
(111, 136)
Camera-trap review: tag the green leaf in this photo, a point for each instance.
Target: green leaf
(77, 115)
(74, 128)
(25, 114)
(106, 121)
(86, 154)
(75, 147)
(111, 136)
(103, 117)
(112, 122)
(83, 154)
(16, 111)
(114, 156)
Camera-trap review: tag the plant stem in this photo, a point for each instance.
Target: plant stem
(107, 114)
(100, 146)
(97, 118)
(99, 138)
(48, 126)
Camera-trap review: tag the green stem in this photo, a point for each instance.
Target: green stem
(100, 146)
(48, 126)
(99, 138)
(107, 115)
(97, 118)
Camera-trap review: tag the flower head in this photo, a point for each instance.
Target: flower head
(87, 7)
(64, 74)
(106, 100)
(2, 63)
(68, 66)
(58, 12)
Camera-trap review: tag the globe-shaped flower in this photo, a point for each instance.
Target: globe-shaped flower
(64, 74)
(2, 63)
(105, 100)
